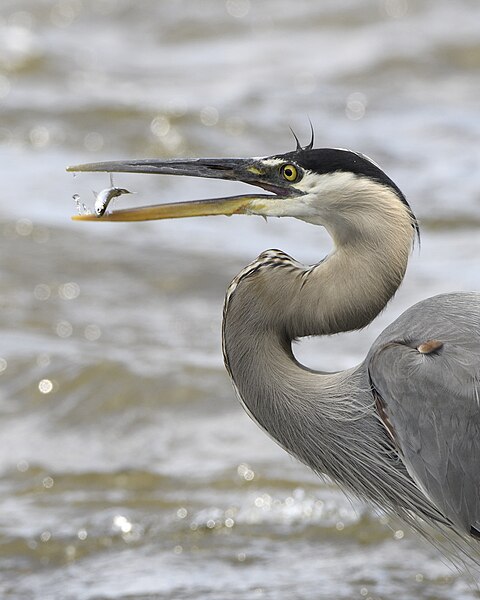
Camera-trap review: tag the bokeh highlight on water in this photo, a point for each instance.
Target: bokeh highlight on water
(128, 468)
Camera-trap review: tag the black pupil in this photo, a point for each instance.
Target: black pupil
(288, 172)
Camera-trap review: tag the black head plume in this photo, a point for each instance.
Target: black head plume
(312, 139)
(299, 146)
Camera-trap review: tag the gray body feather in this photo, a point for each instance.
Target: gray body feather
(432, 400)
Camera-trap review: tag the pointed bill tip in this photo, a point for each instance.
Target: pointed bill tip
(91, 167)
(91, 217)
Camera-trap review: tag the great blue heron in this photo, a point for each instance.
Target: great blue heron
(401, 429)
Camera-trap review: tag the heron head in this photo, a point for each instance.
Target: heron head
(315, 185)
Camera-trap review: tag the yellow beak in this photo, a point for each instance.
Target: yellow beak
(233, 205)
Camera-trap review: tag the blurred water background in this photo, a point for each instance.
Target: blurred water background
(128, 469)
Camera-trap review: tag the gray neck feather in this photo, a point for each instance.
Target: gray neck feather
(327, 420)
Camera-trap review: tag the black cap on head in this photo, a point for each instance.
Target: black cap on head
(334, 160)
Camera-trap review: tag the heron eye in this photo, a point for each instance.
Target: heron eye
(289, 172)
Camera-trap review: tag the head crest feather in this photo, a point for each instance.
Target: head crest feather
(299, 146)
(309, 146)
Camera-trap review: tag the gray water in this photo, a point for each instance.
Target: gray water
(128, 468)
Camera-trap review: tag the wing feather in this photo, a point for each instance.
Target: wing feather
(431, 400)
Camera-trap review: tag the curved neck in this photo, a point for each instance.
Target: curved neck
(344, 292)
(276, 299)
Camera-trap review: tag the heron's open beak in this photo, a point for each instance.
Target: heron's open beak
(247, 170)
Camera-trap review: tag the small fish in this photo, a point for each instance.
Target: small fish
(103, 198)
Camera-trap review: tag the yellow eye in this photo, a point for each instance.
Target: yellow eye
(289, 172)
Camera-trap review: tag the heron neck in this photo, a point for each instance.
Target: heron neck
(345, 292)
(294, 405)
(275, 300)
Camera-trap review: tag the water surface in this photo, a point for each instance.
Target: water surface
(128, 468)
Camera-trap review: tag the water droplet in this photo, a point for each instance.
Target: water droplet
(69, 291)
(48, 482)
(22, 466)
(24, 227)
(45, 536)
(64, 329)
(356, 106)
(122, 523)
(399, 534)
(246, 472)
(92, 332)
(39, 136)
(82, 208)
(45, 386)
(76, 199)
(160, 126)
(42, 291)
(209, 116)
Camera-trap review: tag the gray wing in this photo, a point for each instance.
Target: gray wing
(429, 400)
